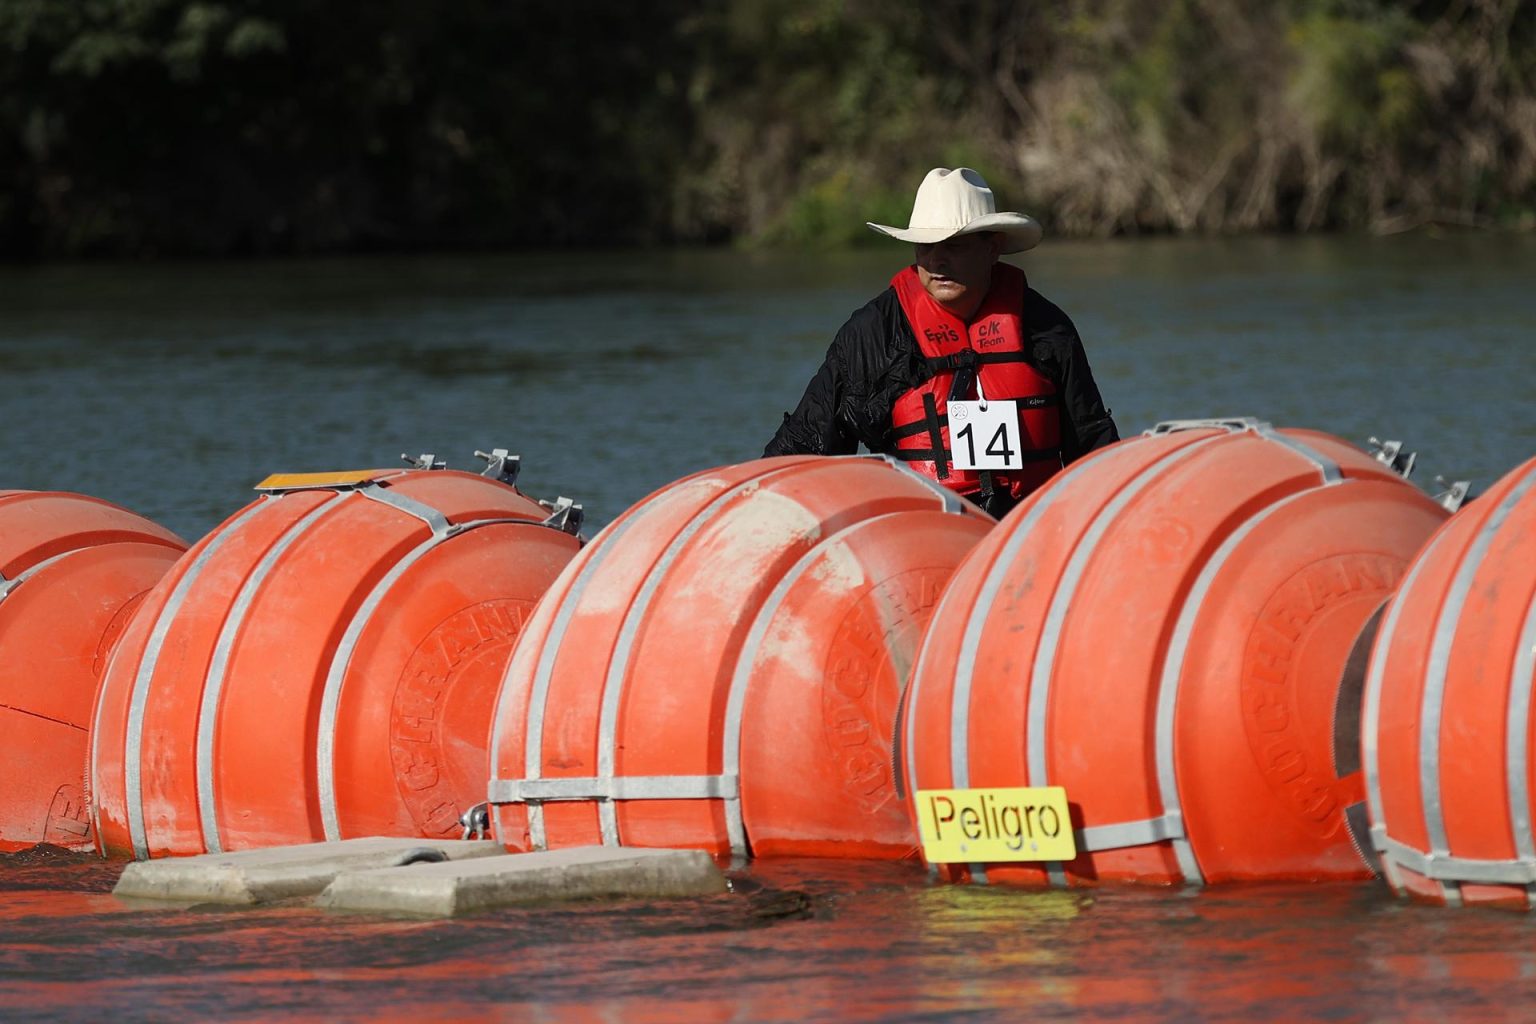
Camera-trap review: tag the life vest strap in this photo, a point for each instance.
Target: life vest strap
(969, 358)
(936, 454)
(933, 425)
(922, 426)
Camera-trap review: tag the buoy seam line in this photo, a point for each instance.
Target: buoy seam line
(7, 586)
(1066, 588)
(1374, 680)
(1173, 670)
(741, 675)
(969, 640)
(737, 692)
(209, 709)
(1517, 744)
(949, 500)
(981, 608)
(133, 779)
(1432, 710)
(538, 698)
(341, 661)
(623, 652)
(1184, 624)
(565, 611)
(904, 718)
(1170, 824)
(595, 553)
(47, 718)
(1076, 569)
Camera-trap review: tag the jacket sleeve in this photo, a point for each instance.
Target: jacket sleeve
(1085, 423)
(814, 428)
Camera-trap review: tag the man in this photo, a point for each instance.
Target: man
(961, 327)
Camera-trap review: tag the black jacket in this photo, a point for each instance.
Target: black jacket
(875, 359)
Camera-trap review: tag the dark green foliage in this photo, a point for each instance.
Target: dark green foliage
(144, 127)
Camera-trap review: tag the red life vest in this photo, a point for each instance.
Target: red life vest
(991, 346)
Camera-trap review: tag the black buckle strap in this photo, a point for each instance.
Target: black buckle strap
(943, 456)
(965, 359)
(970, 359)
(935, 425)
(922, 426)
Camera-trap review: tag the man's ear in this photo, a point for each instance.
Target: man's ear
(998, 241)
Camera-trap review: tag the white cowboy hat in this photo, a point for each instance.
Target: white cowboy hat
(958, 202)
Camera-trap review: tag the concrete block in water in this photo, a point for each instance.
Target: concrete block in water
(256, 876)
(586, 872)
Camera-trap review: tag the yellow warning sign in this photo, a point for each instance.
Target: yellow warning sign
(979, 826)
(336, 478)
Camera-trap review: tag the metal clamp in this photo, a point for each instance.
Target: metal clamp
(1235, 424)
(564, 515)
(1454, 495)
(424, 461)
(500, 465)
(476, 821)
(1391, 454)
(623, 787)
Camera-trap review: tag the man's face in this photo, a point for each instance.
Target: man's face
(958, 271)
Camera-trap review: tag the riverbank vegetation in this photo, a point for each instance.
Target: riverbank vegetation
(232, 127)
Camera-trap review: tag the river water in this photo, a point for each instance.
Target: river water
(172, 389)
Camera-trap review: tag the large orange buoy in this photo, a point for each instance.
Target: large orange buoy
(1447, 730)
(72, 569)
(720, 668)
(1164, 630)
(321, 666)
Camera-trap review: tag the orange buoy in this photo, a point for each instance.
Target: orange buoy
(321, 666)
(72, 569)
(720, 668)
(1163, 630)
(1447, 729)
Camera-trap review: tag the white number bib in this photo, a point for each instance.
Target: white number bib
(985, 435)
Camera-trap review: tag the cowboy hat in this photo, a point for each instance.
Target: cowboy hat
(958, 202)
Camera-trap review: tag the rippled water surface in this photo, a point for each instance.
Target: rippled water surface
(803, 940)
(173, 389)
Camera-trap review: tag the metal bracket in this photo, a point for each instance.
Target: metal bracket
(1454, 495)
(1235, 424)
(500, 465)
(564, 515)
(1391, 454)
(476, 821)
(424, 461)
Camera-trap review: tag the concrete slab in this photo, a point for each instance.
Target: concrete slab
(586, 872)
(257, 876)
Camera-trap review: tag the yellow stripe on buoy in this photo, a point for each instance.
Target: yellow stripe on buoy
(336, 478)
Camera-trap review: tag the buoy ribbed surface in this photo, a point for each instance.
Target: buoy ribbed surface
(719, 669)
(321, 666)
(1164, 630)
(72, 570)
(1447, 731)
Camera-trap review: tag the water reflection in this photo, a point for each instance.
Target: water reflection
(803, 940)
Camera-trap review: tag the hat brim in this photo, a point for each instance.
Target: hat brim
(1023, 232)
